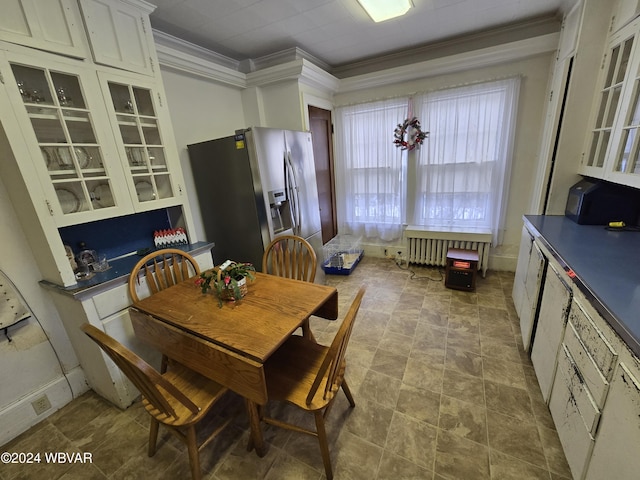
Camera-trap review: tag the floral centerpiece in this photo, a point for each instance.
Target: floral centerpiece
(229, 280)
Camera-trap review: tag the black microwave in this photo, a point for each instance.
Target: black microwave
(596, 202)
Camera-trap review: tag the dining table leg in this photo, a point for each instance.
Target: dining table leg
(255, 440)
(306, 331)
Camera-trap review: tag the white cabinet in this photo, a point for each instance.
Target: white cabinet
(120, 34)
(530, 272)
(98, 145)
(574, 413)
(615, 454)
(73, 162)
(588, 375)
(108, 309)
(552, 319)
(580, 389)
(613, 148)
(146, 143)
(536, 270)
(50, 25)
(518, 293)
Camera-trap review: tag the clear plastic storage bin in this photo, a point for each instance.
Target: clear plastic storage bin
(341, 254)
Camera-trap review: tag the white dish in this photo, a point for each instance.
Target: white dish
(135, 157)
(83, 156)
(145, 191)
(64, 158)
(69, 202)
(102, 195)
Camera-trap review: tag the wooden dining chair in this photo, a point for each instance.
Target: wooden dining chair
(179, 398)
(290, 256)
(161, 269)
(308, 375)
(293, 257)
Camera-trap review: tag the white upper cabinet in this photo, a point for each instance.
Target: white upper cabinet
(98, 144)
(120, 34)
(613, 80)
(145, 140)
(60, 110)
(50, 25)
(613, 148)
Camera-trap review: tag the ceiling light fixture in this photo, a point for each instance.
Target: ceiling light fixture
(381, 10)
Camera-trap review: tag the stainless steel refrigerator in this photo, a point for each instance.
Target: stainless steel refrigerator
(253, 187)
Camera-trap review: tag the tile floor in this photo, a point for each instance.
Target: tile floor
(442, 386)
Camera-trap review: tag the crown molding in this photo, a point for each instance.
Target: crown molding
(301, 70)
(283, 56)
(497, 36)
(146, 7)
(187, 57)
(454, 63)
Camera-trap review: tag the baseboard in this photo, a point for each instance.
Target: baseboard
(19, 416)
(503, 263)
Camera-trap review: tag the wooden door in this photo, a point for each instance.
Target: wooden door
(321, 132)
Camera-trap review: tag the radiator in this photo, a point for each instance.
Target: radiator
(429, 247)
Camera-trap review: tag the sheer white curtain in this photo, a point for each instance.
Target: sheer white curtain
(370, 190)
(462, 170)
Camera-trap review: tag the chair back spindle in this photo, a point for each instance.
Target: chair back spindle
(290, 256)
(162, 269)
(334, 360)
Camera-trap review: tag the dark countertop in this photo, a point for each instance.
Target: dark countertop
(606, 265)
(117, 274)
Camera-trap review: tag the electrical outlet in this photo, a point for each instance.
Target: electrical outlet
(41, 405)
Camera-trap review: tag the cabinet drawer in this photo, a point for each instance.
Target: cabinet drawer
(594, 341)
(112, 301)
(615, 454)
(591, 374)
(568, 375)
(574, 414)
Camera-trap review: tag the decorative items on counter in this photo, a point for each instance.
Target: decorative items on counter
(86, 262)
(170, 237)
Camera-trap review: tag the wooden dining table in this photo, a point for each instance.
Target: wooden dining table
(230, 344)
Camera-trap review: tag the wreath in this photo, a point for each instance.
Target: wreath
(409, 135)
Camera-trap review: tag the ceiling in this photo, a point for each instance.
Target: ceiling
(337, 32)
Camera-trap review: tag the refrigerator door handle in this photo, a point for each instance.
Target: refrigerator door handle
(292, 186)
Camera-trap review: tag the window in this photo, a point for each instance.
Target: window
(369, 174)
(458, 178)
(461, 170)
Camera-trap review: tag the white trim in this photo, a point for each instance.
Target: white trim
(20, 415)
(302, 70)
(188, 58)
(454, 63)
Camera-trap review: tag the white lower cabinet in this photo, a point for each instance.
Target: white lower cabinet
(552, 319)
(518, 293)
(530, 271)
(109, 310)
(616, 454)
(574, 413)
(536, 270)
(588, 375)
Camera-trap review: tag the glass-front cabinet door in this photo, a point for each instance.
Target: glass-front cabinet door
(617, 64)
(626, 160)
(147, 145)
(613, 151)
(76, 160)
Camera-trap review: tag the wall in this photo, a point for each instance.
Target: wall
(534, 72)
(29, 367)
(200, 110)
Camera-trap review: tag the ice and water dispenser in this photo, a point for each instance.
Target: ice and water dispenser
(280, 211)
